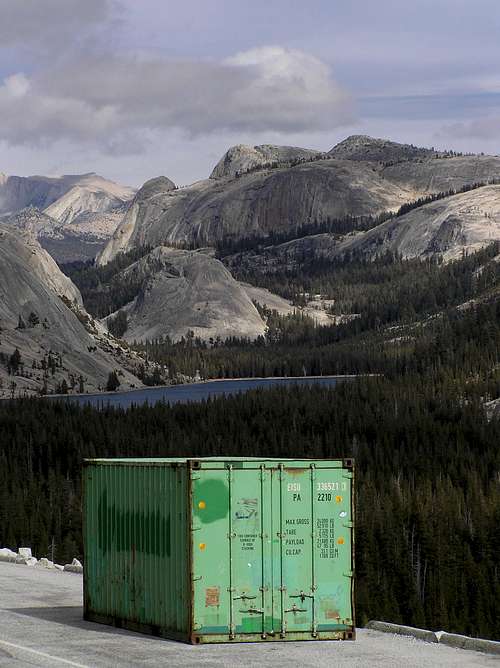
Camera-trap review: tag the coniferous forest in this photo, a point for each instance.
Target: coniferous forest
(427, 463)
(427, 452)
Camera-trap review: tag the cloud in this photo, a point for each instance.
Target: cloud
(48, 22)
(115, 100)
(482, 128)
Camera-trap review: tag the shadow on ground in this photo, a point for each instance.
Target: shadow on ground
(72, 615)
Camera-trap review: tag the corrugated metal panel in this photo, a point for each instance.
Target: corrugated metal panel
(136, 546)
(214, 550)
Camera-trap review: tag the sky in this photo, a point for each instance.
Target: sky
(132, 89)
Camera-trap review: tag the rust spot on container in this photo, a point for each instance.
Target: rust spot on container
(212, 596)
(296, 471)
(332, 614)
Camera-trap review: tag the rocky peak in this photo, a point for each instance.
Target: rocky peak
(364, 147)
(160, 184)
(241, 158)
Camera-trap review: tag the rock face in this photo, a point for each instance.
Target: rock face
(463, 223)
(41, 314)
(447, 228)
(147, 206)
(73, 215)
(214, 211)
(240, 159)
(181, 291)
(360, 177)
(442, 174)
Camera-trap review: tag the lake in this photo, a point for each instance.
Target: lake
(195, 392)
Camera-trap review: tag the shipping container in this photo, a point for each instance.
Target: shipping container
(220, 550)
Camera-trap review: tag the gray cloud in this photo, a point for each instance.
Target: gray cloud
(115, 100)
(481, 128)
(39, 22)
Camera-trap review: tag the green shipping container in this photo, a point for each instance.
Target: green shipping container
(220, 550)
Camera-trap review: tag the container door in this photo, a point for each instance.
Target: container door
(249, 551)
(315, 567)
(333, 526)
(295, 591)
(232, 552)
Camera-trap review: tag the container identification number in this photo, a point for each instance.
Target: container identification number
(331, 486)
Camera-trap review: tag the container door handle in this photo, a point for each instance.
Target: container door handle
(253, 610)
(302, 596)
(243, 597)
(295, 609)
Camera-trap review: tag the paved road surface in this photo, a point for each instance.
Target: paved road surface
(41, 625)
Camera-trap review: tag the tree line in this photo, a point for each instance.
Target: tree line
(427, 492)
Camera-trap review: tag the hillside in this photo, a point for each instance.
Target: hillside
(80, 239)
(251, 196)
(445, 228)
(42, 316)
(173, 292)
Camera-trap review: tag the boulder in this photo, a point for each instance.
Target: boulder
(7, 555)
(25, 552)
(74, 567)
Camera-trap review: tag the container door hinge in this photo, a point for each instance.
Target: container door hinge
(348, 525)
(197, 577)
(195, 476)
(349, 474)
(348, 574)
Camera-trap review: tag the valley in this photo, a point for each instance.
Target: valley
(281, 254)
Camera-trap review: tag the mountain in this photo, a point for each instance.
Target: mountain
(43, 192)
(446, 228)
(73, 215)
(42, 316)
(177, 291)
(255, 193)
(91, 193)
(255, 204)
(287, 208)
